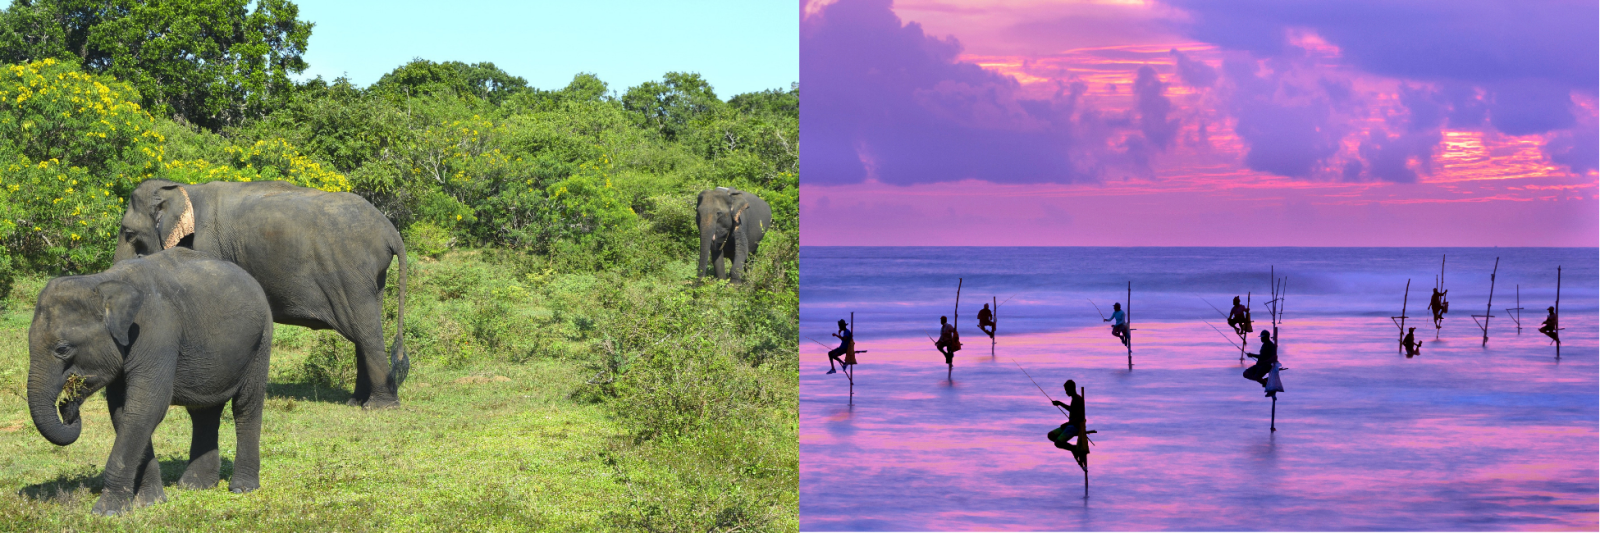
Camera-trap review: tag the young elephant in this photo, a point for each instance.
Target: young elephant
(173, 328)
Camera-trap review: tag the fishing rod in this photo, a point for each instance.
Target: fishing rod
(1213, 307)
(830, 347)
(1041, 389)
(1224, 335)
(1097, 310)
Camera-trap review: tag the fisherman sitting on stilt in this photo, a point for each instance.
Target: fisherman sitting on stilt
(986, 321)
(845, 342)
(1439, 306)
(1119, 323)
(1412, 345)
(1074, 427)
(1239, 317)
(949, 341)
(1264, 362)
(1550, 326)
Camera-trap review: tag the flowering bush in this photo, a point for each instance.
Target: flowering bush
(74, 145)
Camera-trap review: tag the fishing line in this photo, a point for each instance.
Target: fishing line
(1096, 309)
(1041, 389)
(1224, 335)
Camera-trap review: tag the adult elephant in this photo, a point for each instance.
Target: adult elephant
(176, 328)
(731, 223)
(321, 257)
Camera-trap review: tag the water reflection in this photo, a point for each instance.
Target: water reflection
(1460, 438)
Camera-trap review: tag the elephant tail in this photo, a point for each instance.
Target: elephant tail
(399, 364)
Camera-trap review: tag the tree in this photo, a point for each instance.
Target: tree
(670, 105)
(213, 63)
(422, 77)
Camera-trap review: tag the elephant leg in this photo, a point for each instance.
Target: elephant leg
(247, 406)
(740, 249)
(132, 475)
(362, 323)
(149, 479)
(247, 421)
(205, 462)
(716, 263)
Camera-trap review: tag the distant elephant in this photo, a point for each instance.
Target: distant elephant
(176, 328)
(731, 224)
(321, 257)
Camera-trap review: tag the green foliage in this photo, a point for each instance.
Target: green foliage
(672, 103)
(73, 145)
(422, 77)
(213, 62)
(546, 230)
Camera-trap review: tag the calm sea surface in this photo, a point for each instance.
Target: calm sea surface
(1465, 436)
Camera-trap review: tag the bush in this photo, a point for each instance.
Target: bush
(74, 145)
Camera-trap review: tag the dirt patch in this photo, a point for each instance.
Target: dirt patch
(12, 427)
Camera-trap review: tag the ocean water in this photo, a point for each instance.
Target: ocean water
(1466, 436)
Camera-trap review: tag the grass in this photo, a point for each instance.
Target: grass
(537, 400)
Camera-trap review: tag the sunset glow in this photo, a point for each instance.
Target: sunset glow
(1047, 123)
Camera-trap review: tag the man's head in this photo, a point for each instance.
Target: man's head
(1117, 306)
(944, 319)
(842, 323)
(1551, 309)
(985, 306)
(1267, 335)
(1235, 300)
(1413, 330)
(1071, 386)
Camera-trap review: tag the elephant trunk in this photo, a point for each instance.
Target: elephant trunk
(124, 249)
(741, 250)
(708, 231)
(44, 385)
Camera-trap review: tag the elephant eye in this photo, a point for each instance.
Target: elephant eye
(63, 349)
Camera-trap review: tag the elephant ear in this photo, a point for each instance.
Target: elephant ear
(121, 303)
(171, 210)
(738, 207)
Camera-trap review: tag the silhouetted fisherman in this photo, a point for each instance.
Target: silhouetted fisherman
(1264, 361)
(1550, 327)
(986, 321)
(1239, 317)
(1439, 306)
(1413, 346)
(846, 339)
(1074, 427)
(1119, 323)
(948, 342)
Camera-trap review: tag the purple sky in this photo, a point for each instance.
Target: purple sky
(1128, 123)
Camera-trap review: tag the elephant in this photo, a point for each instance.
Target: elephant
(321, 257)
(178, 327)
(731, 224)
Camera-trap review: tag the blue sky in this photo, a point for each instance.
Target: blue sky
(738, 46)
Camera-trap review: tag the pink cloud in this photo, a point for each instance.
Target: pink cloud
(974, 121)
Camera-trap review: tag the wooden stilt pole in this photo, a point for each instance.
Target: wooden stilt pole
(1129, 318)
(1274, 414)
(848, 372)
(1488, 310)
(994, 324)
(1406, 300)
(1558, 312)
(1516, 318)
(1439, 324)
(1244, 338)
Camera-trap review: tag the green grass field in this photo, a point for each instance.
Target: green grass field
(536, 401)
